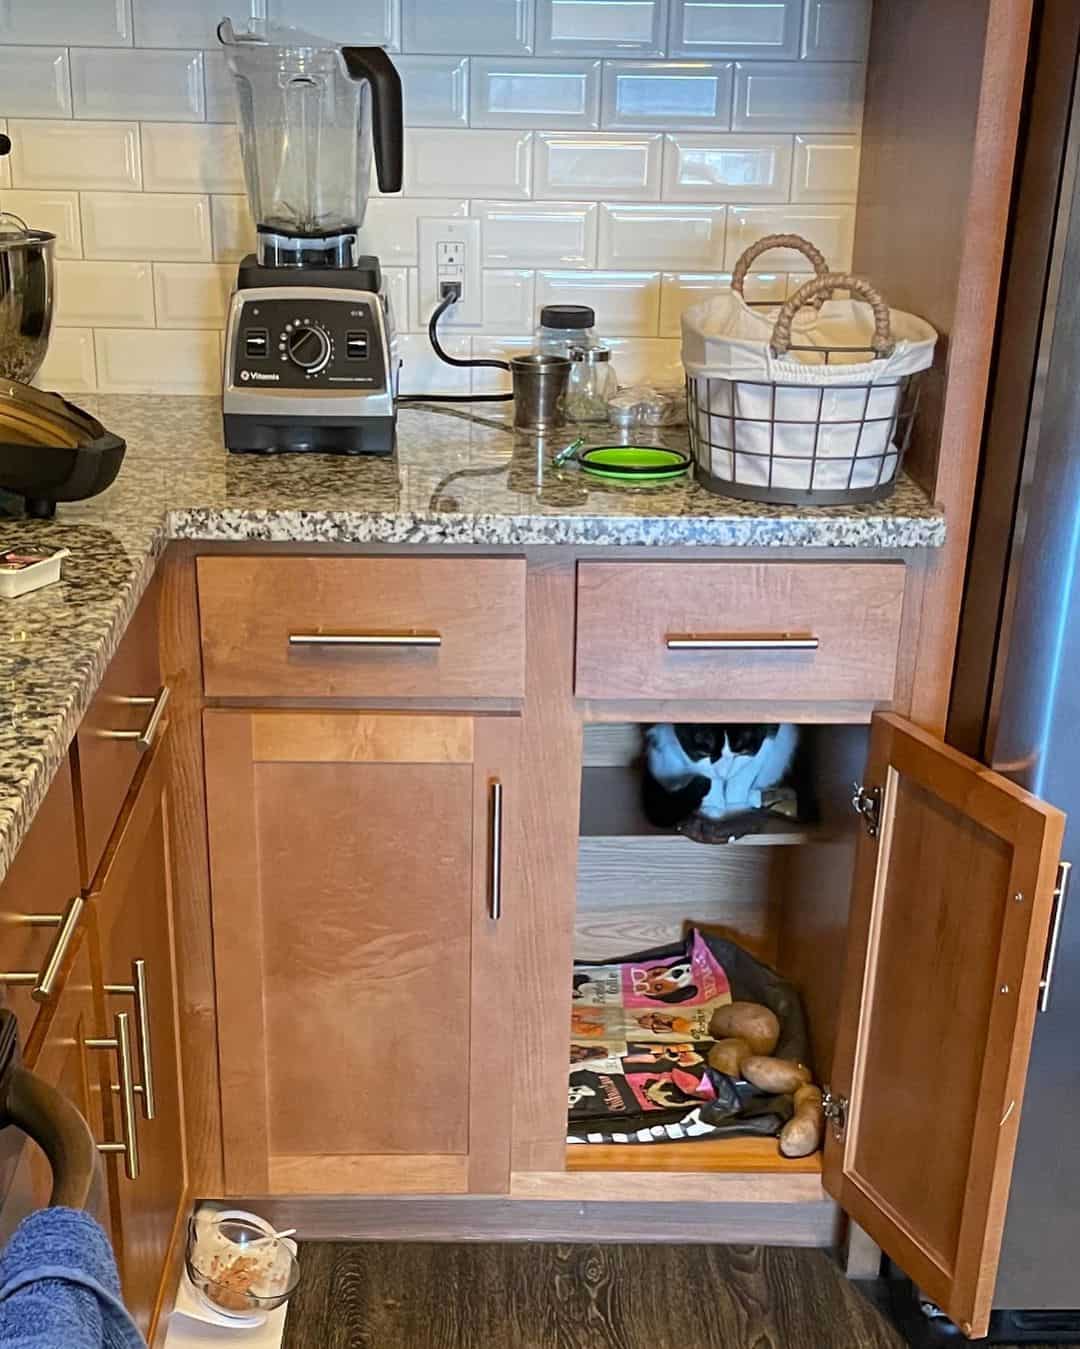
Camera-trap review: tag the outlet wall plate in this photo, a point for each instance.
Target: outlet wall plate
(449, 250)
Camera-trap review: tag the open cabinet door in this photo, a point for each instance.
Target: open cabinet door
(949, 917)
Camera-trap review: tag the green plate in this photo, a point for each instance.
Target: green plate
(633, 463)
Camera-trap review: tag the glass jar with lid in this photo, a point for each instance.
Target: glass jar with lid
(564, 326)
(592, 384)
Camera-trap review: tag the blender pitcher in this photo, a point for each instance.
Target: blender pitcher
(307, 112)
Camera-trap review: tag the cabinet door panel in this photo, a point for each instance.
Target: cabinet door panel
(948, 928)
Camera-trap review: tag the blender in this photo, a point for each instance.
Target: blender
(310, 356)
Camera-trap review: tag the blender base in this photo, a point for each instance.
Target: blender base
(245, 434)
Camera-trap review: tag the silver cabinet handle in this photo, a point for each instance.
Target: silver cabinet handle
(495, 884)
(139, 990)
(144, 738)
(1061, 894)
(120, 1043)
(424, 639)
(42, 983)
(785, 642)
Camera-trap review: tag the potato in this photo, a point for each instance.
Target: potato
(727, 1056)
(775, 1076)
(805, 1131)
(749, 1021)
(807, 1095)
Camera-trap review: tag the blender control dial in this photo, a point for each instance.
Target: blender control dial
(308, 346)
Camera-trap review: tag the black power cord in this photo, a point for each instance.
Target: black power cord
(451, 295)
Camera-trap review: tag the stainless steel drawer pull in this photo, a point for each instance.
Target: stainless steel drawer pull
(144, 738)
(425, 639)
(786, 642)
(138, 990)
(120, 1043)
(42, 983)
(1061, 894)
(495, 887)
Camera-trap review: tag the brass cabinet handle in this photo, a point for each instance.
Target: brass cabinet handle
(495, 884)
(120, 1043)
(139, 990)
(144, 738)
(424, 639)
(42, 983)
(784, 642)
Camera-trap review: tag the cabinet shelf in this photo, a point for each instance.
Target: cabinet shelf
(757, 1155)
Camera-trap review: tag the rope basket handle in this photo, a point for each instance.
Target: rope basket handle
(814, 255)
(881, 343)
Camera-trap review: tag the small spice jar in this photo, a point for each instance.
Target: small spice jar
(592, 384)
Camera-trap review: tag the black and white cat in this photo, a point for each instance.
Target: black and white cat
(713, 770)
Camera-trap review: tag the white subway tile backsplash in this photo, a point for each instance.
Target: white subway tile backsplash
(396, 286)
(155, 226)
(509, 300)
(220, 93)
(647, 360)
(57, 212)
(389, 229)
(421, 370)
(157, 361)
(643, 95)
(35, 81)
(727, 168)
(826, 169)
(471, 163)
(602, 166)
(232, 227)
(180, 23)
(436, 89)
(69, 365)
(836, 30)
(831, 228)
(375, 23)
(103, 155)
(680, 290)
(810, 96)
(162, 86)
(75, 23)
(192, 294)
(743, 28)
(538, 234)
(104, 294)
(482, 27)
(499, 348)
(687, 237)
(508, 92)
(627, 304)
(191, 158)
(601, 27)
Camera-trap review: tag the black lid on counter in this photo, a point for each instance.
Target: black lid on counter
(567, 316)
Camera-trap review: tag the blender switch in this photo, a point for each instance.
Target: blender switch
(257, 342)
(356, 346)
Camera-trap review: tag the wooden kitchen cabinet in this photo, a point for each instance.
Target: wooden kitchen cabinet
(362, 877)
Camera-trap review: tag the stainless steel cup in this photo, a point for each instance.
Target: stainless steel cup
(26, 301)
(539, 391)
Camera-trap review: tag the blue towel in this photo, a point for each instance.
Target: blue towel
(59, 1286)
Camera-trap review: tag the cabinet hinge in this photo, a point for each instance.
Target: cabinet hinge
(835, 1109)
(868, 805)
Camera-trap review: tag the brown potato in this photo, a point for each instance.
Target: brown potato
(727, 1056)
(775, 1075)
(808, 1095)
(749, 1021)
(805, 1131)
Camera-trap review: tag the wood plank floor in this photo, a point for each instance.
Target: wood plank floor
(531, 1296)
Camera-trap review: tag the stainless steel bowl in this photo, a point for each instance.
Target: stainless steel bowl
(26, 301)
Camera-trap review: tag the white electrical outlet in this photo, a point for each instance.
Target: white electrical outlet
(450, 252)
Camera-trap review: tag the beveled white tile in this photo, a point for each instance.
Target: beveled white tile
(69, 365)
(232, 227)
(831, 228)
(421, 370)
(103, 155)
(627, 304)
(104, 294)
(482, 27)
(826, 168)
(538, 234)
(375, 23)
(646, 95)
(157, 360)
(497, 347)
(193, 23)
(220, 93)
(680, 290)
(689, 238)
(796, 281)
(198, 158)
(470, 163)
(161, 86)
(5, 164)
(35, 81)
(648, 360)
(602, 166)
(389, 229)
(519, 92)
(57, 212)
(67, 23)
(508, 300)
(836, 30)
(798, 96)
(192, 294)
(396, 286)
(765, 29)
(436, 89)
(726, 168)
(157, 226)
(601, 27)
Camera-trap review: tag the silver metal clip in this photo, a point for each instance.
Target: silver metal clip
(835, 1109)
(868, 805)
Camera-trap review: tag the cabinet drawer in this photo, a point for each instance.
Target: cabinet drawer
(113, 739)
(802, 631)
(359, 627)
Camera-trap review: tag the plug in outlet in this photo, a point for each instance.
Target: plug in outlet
(450, 251)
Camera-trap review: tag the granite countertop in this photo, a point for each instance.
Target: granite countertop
(452, 481)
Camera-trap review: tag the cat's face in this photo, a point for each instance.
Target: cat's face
(706, 740)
